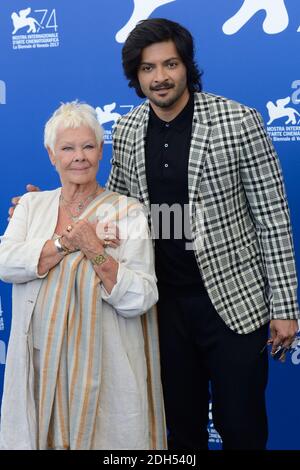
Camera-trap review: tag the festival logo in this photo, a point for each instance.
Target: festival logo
(276, 16)
(141, 11)
(107, 115)
(214, 440)
(27, 25)
(2, 92)
(295, 352)
(281, 111)
(276, 20)
(295, 349)
(1, 317)
(22, 20)
(284, 118)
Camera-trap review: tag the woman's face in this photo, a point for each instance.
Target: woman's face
(76, 155)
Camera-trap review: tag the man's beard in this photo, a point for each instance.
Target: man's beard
(166, 103)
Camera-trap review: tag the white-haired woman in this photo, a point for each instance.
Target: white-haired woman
(82, 367)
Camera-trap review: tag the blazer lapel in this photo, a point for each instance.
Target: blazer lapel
(201, 131)
(139, 154)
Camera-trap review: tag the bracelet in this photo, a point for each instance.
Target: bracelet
(66, 250)
(99, 259)
(60, 247)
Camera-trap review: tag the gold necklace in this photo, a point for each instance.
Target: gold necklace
(81, 205)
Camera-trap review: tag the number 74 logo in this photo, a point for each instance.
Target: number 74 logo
(47, 19)
(49, 16)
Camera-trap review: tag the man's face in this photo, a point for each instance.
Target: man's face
(162, 76)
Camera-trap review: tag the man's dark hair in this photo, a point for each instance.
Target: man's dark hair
(154, 30)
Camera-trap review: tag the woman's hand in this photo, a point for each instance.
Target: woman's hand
(82, 236)
(90, 237)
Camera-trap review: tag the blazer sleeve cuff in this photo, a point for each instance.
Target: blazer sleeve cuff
(37, 247)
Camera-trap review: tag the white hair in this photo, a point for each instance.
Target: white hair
(72, 115)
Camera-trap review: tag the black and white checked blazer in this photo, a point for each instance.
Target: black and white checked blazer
(238, 209)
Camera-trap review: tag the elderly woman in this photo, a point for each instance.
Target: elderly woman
(82, 366)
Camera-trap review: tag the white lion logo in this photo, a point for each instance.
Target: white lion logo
(22, 20)
(141, 11)
(276, 20)
(105, 115)
(279, 111)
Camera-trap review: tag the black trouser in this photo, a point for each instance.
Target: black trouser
(198, 347)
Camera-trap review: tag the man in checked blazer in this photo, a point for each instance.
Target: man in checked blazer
(211, 156)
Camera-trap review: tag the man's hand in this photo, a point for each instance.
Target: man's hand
(282, 333)
(30, 188)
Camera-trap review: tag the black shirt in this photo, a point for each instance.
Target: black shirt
(167, 156)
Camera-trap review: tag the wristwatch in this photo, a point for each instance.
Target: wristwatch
(60, 248)
(99, 259)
